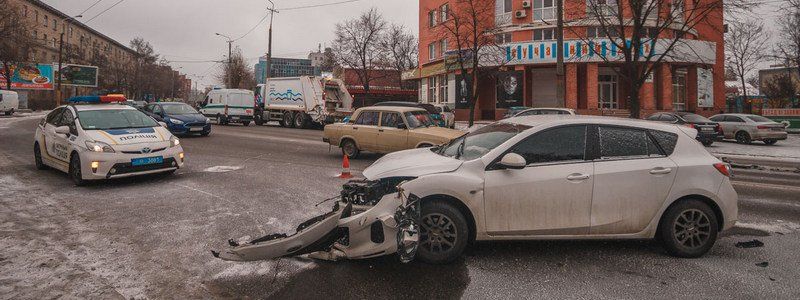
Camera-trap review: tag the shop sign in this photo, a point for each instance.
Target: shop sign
(28, 76)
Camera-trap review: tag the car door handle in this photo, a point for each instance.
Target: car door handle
(355, 128)
(577, 177)
(380, 130)
(660, 171)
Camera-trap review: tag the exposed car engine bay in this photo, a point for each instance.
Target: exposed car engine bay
(371, 218)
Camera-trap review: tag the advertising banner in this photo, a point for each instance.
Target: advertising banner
(77, 75)
(509, 89)
(705, 87)
(29, 77)
(462, 94)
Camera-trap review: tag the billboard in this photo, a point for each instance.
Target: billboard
(509, 89)
(77, 75)
(705, 87)
(28, 76)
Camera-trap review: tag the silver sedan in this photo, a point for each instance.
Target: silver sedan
(746, 128)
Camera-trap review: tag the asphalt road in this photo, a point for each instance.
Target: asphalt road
(150, 237)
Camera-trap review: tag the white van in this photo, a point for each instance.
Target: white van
(9, 102)
(229, 106)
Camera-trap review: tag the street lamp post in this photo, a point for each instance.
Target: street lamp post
(272, 12)
(230, 43)
(60, 55)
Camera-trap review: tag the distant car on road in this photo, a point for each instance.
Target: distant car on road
(745, 128)
(447, 115)
(9, 102)
(181, 118)
(707, 131)
(227, 106)
(384, 129)
(438, 116)
(545, 111)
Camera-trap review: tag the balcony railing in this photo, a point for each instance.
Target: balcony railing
(502, 19)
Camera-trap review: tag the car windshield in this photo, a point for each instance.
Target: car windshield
(759, 119)
(479, 142)
(418, 119)
(178, 109)
(114, 119)
(693, 118)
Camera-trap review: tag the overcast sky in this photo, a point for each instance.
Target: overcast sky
(184, 30)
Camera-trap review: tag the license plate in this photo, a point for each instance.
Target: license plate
(147, 161)
(706, 129)
(234, 118)
(196, 129)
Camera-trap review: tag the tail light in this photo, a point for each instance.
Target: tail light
(763, 127)
(226, 110)
(690, 126)
(723, 168)
(718, 128)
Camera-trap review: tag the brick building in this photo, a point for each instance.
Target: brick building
(692, 79)
(385, 85)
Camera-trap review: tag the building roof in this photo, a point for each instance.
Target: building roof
(75, 22)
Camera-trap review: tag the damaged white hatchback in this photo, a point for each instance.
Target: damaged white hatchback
(525, 178)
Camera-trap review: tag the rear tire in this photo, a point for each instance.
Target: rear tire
(37, 157)
(75, 170)
(770, 142)
(350, 149)
(288, 119)
(688, 229)
(743, 137)
(301, 120)
(443, 233)
(707, 142)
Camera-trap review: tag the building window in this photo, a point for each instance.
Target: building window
(607, 92)
(679, 90)
(443, 46)
(35, 34)
(679, 34)
(649, 32)
(36, 16)
(543, 34)
(444, 10)
(502, 38)
(502, 12)
(432, 18)
(432, 89)
(442, 89)
(544, 9)
(601, 7)
(602, 32)
(46, 21)
(45, 38)
(432, 51)
(54, 42)
(55, 24)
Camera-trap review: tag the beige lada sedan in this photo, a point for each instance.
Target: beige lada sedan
(385, 129)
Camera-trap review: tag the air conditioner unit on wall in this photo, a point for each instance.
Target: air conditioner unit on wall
(520, 14)
(526, 3)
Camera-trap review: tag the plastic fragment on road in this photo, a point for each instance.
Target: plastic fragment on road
(750, 244)
(763, 264)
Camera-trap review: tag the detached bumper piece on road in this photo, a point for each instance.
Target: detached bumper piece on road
(350, 231)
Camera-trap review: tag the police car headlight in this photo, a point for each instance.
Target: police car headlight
(173, 141)
(176, 121)
(99, 147)
(208, 120)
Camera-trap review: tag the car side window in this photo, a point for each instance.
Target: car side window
(54, 116)
(68, 119)
(368, 118)
(734, 119)
(561, 144)
(654, 117)
(718, 118)
(668, 118)
(620, 142)
(666, 140)
(390, 119)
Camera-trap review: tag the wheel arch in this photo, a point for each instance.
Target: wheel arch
(348, 137)
(458, 204)
(420, 144)
(706, 200)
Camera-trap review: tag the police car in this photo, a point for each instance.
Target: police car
(98, 137)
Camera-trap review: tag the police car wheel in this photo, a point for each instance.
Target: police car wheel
(37, 157)
(75, 170)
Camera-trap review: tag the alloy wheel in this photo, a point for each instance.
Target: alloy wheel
(692, 228)
(438, 233)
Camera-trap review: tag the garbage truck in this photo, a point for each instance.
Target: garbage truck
(302, 102)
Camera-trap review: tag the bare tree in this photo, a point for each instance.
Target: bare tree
(15, 41)
(745, 44)
(788, 48)
(401, 47)
(646, 33)
(357, 45)
(469, 27)
(780, 90)
(237, 73)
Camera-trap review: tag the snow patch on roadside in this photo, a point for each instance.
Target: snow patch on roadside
(222, 169)
(779, 227)
(245, 269)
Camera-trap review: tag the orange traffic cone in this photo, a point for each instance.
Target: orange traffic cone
(345, 168)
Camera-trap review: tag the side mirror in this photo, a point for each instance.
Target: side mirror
(162, 124)
(513, 161)
(401, 126)
(62, 130)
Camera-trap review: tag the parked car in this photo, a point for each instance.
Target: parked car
(181, 118)
(9, 102)
(436, 115)
(746, 128)
(229, 106)
(545, 111)
(527, 178)
(384, 129)
(512, 111)
(447, 114)
(707, 131)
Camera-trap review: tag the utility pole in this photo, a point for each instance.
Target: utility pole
(230, 61)
(272, 12)
(560, 53)
(60, 57)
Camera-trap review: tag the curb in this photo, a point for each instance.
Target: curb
(749, 161)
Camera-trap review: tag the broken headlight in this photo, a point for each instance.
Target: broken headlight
(407, 216)
(369, 192)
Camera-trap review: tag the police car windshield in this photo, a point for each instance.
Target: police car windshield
(178, 109)
(114, 119)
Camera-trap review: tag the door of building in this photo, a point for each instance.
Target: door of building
(607, 92)
(543, 87)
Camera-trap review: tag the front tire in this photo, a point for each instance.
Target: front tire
(350, 149)
(75, 170)
(37, 157)
(443, 233)
(288, 119)
(688, 229)
(259, 119)
(743, 137)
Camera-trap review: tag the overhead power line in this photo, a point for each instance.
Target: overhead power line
(90, 7)
(104, 11)
(318, 5)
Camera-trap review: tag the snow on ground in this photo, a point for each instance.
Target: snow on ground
(789, 148)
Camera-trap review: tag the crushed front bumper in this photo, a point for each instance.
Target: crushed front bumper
(348, 231)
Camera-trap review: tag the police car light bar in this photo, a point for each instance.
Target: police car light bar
(97, 99)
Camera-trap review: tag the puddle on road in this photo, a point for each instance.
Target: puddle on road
(222, 169)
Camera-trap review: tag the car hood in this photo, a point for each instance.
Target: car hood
(411, 163)
(130, 136)
(190, 118)
(446, 133)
